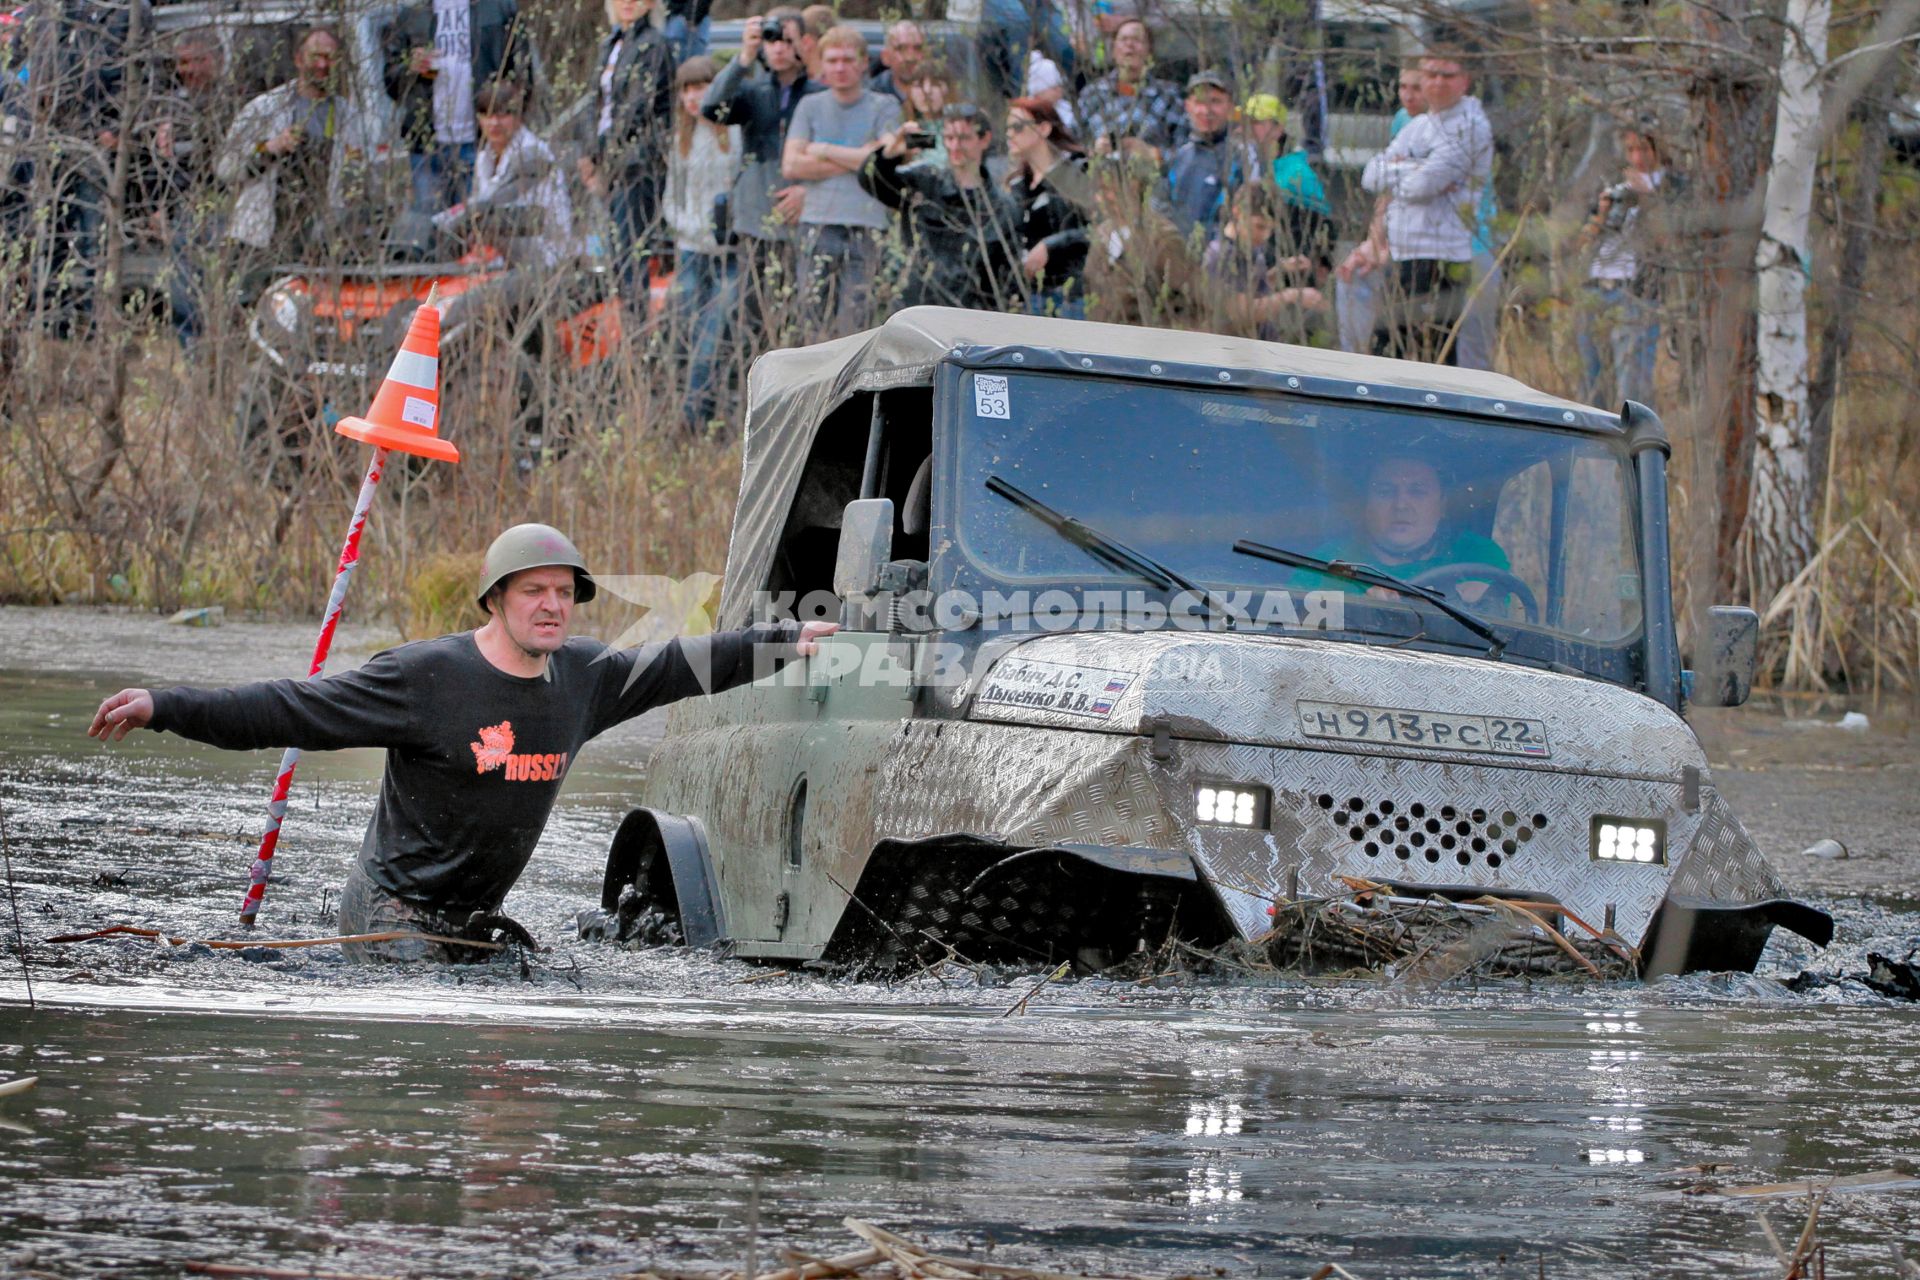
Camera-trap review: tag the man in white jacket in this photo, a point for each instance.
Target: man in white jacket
(300, 152)
(1433, 173)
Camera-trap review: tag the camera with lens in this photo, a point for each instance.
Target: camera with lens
(916, 135)
(1620, 200)
(772, 29)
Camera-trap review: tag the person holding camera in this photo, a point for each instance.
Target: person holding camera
(759, 92)
(706, 279)
(1621, 312)
(959, 227)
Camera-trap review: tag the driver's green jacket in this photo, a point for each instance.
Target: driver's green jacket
(1457, 548)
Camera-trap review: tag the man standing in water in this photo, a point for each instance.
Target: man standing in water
(480, 728)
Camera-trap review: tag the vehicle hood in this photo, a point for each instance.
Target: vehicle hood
(1326, 695)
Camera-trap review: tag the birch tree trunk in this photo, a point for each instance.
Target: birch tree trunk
(1780, 514)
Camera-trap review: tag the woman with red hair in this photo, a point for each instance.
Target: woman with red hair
(1053, 197)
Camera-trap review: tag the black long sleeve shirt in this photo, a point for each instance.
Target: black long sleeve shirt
(475, 757)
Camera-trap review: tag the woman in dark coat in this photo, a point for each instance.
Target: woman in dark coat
(1054, 199)
(628, 161)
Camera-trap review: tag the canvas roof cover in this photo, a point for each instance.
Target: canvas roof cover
(791, 392)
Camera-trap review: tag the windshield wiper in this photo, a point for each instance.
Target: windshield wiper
(1367, 575)
(1103, 546)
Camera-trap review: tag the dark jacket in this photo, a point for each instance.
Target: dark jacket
(1054, 212)
(502, 50)
(79, 51)
(1202, 173)
(634, 148)
(961, 248)
(750, 97)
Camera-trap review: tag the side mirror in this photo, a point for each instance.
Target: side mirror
(866, 544)
(1728, 652)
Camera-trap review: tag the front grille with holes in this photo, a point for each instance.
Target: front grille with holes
(1437, 833)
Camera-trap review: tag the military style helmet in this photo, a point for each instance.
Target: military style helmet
(533, 546)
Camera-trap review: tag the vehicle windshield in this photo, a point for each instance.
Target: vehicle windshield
(1528, 528)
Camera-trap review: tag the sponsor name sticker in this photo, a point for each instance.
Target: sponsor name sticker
(1059, 687)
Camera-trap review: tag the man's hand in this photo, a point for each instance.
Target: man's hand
(420, 62)
(284, 141)
(131, 709)
(811, 634)
(1139, 149)
(750, 40)
(788, 202)
(1036, 260)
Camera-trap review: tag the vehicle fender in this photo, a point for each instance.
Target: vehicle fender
(1133, 860)
(1690, 934)
(683, 841)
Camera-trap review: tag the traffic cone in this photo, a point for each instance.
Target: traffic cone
(406, 410)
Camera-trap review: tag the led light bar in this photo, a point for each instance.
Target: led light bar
(1640, 840)
(1230, 804)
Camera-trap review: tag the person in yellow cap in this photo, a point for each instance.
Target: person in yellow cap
(1263, 124)
(480, 729)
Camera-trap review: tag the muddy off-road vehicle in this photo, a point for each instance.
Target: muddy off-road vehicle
(1123, 660)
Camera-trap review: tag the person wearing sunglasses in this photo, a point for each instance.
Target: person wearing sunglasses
(961, 249)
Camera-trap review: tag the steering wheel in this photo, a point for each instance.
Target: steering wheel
(1448, 577)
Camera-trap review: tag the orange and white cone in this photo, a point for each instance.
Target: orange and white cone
(406, 412)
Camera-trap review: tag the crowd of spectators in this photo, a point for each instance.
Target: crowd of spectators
(809, 176)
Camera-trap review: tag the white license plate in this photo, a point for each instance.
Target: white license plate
(1427, 730)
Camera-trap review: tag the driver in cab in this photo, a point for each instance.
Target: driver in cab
(1404, 531)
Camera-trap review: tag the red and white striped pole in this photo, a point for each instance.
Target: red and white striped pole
(277, 806)
(404, 418)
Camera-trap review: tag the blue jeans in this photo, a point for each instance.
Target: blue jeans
(1057, 303)
(1629, 325)
(441, 176)
(704, 302)
(686, 42)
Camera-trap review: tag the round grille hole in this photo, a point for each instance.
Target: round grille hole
(1462, 858)
(1357, 833)
(1479, 815)
(1509, 819)
(1539, 822)
(1373, 850)
(1386, 806)
(1372, 820)
(1418, 811)
(1479, 845)
(1463, 828)
(1356, 804)
(1449, 813)
(1493, 831)
(1525, 834)
(1401, 852)
(1433, 855)
(1509, 848)
(1418, 839)
(1401, 824)
(1324, 800)
(1433, 826)
(1448, 842)
(1493, 859)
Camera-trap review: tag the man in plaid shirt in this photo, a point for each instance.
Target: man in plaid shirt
(1432, 174)
(1127, 111)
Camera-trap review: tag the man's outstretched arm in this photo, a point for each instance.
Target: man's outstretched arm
(369, 707)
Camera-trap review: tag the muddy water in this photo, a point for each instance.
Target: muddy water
(614, 1109)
